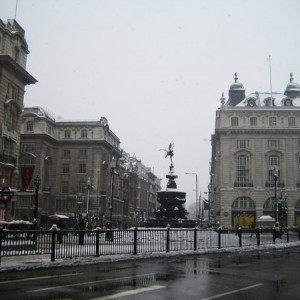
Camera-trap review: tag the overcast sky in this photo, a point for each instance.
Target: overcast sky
(155, 69)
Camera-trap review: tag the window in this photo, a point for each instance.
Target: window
(67, 153)
(84, 133)
(66, 168)
(29, 126)
(273, 162)
(83, 153)
(68, 134)
(268, 102)
(82, 168)
(241, 144)
(27, 148)
(243, 171)
(243, 203)
(235, 121)
(65, 187)
(27, 159)
(272, 122)
(291, 121)
(274, 144)
(253, 121)
(10, 119)
(12, 92)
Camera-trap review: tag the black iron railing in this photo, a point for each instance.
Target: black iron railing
(82, 243)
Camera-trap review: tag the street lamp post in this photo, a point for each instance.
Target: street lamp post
(88, 198)
(37, 182)
(275, 175)
(113, 165)
(196, 175)
(109, 235)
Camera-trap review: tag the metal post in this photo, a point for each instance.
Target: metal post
(112, 173)
(197, 211)
(275, 174)
(88, 198)
(37, 182)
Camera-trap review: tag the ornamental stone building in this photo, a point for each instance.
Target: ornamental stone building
(13, 79)
(255, 157)
(74, 160)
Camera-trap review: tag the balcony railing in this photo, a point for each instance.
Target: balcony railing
(243, 184)
(8, 159)
(11, 134)
(279, 184)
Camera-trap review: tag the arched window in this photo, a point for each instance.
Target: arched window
(243, 203)
(297, 205)
(243, 212)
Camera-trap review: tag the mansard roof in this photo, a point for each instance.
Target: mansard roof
(290, 98)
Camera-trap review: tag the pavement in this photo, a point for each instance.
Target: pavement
(30, 262)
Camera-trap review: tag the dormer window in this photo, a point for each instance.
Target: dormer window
(288, 102)
(251, 102)
(268, 102)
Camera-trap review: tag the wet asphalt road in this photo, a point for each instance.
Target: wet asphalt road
(266, 275)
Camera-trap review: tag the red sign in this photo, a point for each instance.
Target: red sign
(6, 194)
(26, 173)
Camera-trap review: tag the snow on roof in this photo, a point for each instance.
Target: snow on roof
(261, 99)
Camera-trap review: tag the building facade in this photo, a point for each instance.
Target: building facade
(74, 162)
(255, 166)
(13, 79)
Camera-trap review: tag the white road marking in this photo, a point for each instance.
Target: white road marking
(233, 291)
(88, 282)
(38, 278)
(131, 292)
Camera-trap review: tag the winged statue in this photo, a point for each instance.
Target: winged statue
(170, 151)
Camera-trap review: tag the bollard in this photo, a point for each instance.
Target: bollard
(1, 237)
(53, 239)
(97, 242)
(168, 240)
(195, 239)
(258, 236)
(240, 236)
(274, 235)
(219, 238)
(135, 240)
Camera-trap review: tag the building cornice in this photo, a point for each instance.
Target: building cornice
(7, 62)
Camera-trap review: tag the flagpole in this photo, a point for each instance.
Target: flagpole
(270, 80)
(16, 9)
